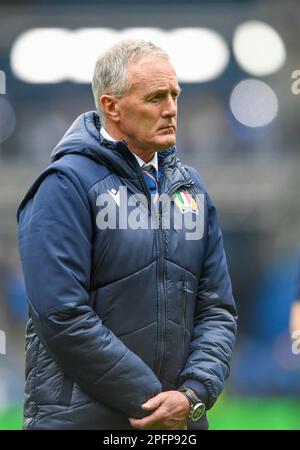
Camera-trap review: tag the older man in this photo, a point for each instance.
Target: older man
(132, 322)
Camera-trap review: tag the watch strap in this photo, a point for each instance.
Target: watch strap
(190, 395)
(197, 407)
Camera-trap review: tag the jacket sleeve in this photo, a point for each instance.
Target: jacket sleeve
(55, 241)
(213, 338)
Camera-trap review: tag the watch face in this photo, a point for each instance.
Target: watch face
(197, 412)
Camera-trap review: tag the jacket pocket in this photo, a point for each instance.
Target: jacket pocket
(184, 300)
(186, 332)
(66, 391)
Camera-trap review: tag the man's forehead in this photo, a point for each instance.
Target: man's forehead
(153, 71)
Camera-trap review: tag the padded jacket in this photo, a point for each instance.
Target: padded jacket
(118, 315)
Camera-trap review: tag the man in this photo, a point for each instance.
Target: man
(130, 326)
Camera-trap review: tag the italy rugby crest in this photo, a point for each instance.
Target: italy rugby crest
(185, 202)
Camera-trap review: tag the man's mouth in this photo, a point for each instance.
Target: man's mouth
(167, 127)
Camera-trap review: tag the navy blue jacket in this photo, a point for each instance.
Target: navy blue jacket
(297, 282)
(117, 315)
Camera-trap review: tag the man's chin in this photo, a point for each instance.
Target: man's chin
(164, 144)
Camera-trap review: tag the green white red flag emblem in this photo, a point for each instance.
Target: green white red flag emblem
(185, 202)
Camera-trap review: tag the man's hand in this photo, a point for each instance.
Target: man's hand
(171, 411)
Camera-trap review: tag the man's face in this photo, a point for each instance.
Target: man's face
(148, 112)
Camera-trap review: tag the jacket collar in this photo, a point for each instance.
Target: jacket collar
(83, 137)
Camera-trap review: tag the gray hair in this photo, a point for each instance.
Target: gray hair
(110, 70)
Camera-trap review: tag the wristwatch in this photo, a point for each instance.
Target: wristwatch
(197, 406)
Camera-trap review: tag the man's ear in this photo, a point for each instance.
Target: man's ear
(110, 106)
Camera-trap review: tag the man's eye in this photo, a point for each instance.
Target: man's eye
(156, 98)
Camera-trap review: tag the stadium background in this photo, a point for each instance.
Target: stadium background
(242, 137)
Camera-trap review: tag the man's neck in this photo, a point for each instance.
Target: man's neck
(116, 135)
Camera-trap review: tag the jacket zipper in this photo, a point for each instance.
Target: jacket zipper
(185, 290)
(162, 300)
(162, 296)
(161, 351)
(161, 346)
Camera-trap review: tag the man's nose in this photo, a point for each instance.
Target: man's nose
(170, 107)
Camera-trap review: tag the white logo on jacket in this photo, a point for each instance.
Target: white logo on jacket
(133, 212)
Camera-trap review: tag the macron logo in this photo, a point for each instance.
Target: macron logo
(115, 195)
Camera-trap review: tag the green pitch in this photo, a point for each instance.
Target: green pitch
(238, 413)
(230, 413)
